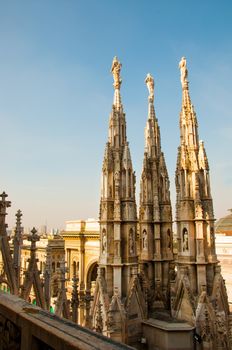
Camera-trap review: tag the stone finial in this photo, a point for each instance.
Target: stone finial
(33, 238)
(150, 85)
(18, 218)
(18, 227)
(115, 70)
(4, 204)
(183, 72)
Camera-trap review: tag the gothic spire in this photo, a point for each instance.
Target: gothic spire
(188, 119)
(5, 247)
(152, 132)
(17, 245)
(117, 122)
(75, 298)
(47, 278)
(62, 305)
(32, 275)
(118, 221)
(197, 265)
(155, 210)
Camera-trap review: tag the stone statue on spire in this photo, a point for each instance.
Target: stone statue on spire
(183, 71)
(150, 85)
(115, 70)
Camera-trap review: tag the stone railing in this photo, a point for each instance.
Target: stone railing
(27, 327)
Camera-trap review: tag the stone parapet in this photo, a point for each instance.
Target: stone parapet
(25, 327)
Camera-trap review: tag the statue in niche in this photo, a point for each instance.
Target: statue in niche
(199, 211)
(116, 249)
(117, 183)
(115, 70)
(165, 187)
(150, 85)
(131, 242)
(145, 240)
(185, 240)
(169, 239)
(183, 71)
(212, 241)
(110, 191)
(103, 241)
(145, 192)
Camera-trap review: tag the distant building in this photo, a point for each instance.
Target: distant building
(82, 248)
(49, 247)
(223, 230)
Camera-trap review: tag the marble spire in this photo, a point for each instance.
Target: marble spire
(118, 261)
(155, 215)
(198, 273)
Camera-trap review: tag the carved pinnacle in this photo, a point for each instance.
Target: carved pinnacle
(4, 204)
(33, 238)
(18, 216)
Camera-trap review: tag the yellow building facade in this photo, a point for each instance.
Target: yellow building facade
(82, 246)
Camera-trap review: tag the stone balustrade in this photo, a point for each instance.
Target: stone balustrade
(27, 327)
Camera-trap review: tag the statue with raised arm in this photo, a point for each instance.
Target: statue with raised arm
(150, 85)
(115, 70)
(183, 71)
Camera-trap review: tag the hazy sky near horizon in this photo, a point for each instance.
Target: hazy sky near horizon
(56, 94)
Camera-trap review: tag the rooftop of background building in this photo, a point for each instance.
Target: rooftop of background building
(224, 225)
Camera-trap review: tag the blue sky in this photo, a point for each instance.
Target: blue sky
(56, 95)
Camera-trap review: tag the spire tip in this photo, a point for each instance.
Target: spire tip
(150, 85)
(183, 72)
(115, 70)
